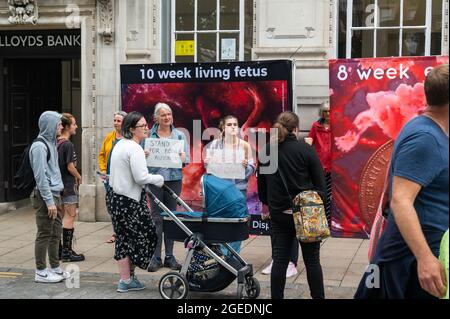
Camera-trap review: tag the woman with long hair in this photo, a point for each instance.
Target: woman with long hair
(67, 160)
(230, 143)
(298, 170)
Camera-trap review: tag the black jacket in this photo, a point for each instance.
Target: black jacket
(301, 169)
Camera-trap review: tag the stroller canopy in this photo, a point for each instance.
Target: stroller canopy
(222, 198)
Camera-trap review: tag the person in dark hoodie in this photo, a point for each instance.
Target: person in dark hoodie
(49, 186)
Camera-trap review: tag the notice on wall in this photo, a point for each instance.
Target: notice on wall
(164, 152)
(184, 48)
(226, 164)
(228, 51)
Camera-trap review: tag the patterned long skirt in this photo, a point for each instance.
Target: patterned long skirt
(135, 231)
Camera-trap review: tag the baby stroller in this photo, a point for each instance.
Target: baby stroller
(211, 264)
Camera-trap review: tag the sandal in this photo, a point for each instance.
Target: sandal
(112, 239)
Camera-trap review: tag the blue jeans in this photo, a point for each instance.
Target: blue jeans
(236, 245)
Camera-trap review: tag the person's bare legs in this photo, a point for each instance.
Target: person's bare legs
(69, 214)
(124, 268)
(68, 254)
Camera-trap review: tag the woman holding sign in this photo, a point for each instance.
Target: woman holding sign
(167, 152)
(135, 230)
(231, 158)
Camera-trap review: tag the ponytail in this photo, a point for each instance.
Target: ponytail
(286, 123)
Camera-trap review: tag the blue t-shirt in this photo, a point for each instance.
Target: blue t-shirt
(421, 155)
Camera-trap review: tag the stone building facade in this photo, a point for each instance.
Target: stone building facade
(108, 33)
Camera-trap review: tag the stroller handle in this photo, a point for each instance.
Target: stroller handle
(177, 198)
(167, 210)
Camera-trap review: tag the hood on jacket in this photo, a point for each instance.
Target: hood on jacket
(48, 123)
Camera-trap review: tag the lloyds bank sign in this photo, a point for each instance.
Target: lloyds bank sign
(39, 40)
(35, 41)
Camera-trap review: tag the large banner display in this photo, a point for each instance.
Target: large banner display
(200, 94)
(371, 100)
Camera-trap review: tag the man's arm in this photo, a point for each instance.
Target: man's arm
(430, 271)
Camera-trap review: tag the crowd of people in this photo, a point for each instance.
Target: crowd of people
(406, 254)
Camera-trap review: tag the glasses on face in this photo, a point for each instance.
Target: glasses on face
(142, 125)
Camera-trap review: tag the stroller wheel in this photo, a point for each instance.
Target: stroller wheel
(252, 288)
(173, 286)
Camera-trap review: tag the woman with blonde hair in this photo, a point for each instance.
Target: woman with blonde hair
(108, 143)
(173, 178)
(298, 169)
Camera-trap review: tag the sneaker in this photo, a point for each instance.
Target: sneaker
(155, 265)
(171, 262)
(58, 271)
(291, 270)
(268, 269)
(46, 276)
(134, 285)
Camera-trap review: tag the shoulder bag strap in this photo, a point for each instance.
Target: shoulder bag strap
(38, 139)
(285, 185)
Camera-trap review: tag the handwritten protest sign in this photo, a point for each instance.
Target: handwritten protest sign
(164, 152)
(225, 163)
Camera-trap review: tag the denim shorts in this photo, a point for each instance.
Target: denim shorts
(71, 199)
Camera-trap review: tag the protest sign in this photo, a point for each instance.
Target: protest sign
(226, 163)
(164, 152)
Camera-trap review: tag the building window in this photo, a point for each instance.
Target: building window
(211, 30)
(383, 28)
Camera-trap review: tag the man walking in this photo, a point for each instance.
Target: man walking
(48, 192)
(406, 254)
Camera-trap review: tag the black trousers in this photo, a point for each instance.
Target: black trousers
(171, 204)
(283, 234)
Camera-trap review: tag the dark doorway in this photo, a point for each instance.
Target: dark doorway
(38, 73)
(31, 87)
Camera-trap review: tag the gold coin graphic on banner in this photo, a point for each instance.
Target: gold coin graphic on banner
(372, 180)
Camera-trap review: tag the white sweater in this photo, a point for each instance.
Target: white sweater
(128, 172)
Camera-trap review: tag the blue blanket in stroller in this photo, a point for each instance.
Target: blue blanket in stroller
(222, 200)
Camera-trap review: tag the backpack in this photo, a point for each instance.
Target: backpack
(24, 178)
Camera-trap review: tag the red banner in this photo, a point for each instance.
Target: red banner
(371, 100)
(256, 92)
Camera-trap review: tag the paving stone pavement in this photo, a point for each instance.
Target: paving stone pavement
(343, 262)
